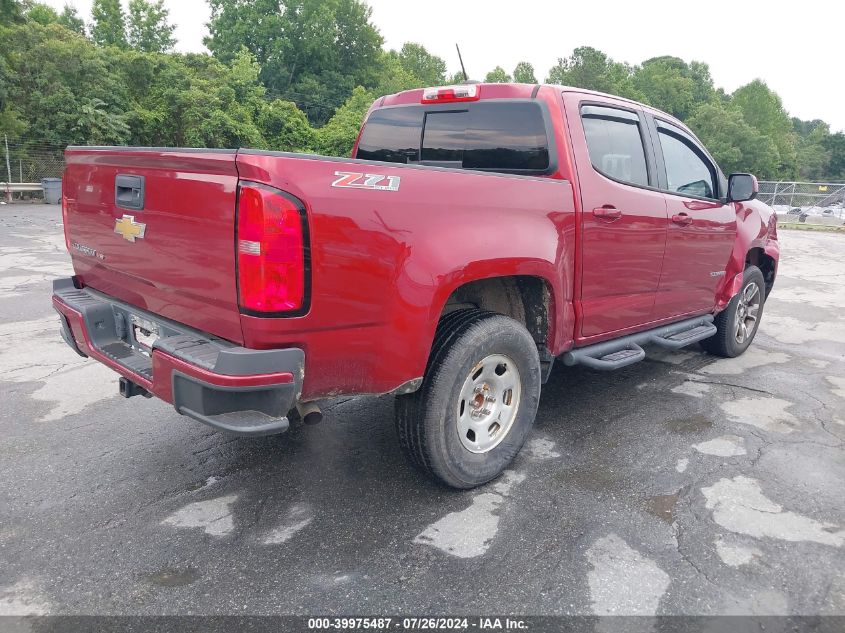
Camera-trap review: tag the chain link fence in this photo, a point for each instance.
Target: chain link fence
(26, 161)
(805, 199)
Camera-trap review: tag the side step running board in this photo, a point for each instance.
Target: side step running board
(626, 350)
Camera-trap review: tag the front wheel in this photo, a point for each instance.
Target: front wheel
(737, 324)
(477, 402)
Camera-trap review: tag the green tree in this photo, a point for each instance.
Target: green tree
(148, 28)
(95, 125)
(395, 77)
(41, 13)
(62, 89)
(285, 127)
(301, 61)
(193, 100)
(11, 118)
(591, 69)
(337, 137)
(693, 78)
(804, 129)
(524, 73)
(56, 80)
(835, 145)
(313, 52)
(70, 19)
(497, 76)
(812, 154)
(813, 161)
(109, 27)
(663, 83)
(11, 12)
(67, 90)
(763, 109)
(703, 90)
(429, 69)
(736, 146)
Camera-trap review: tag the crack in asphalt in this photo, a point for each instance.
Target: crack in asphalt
(685, 500)
(693, 377)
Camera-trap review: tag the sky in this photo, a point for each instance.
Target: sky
(796, 48)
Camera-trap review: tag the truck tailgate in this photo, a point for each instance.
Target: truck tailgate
(156, 229)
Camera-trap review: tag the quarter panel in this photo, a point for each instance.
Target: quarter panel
(384, 262)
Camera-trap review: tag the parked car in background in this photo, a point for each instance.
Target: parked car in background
(799, 212)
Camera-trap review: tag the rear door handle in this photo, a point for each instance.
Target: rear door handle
(682, 218)
(607, 212)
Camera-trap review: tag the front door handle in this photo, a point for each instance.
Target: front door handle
(682, 219)
(607, 212)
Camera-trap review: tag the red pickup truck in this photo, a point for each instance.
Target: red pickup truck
(478, 233)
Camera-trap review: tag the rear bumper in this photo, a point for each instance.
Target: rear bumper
(230, 388)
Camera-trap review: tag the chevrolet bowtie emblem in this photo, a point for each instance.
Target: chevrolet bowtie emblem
(129, 229)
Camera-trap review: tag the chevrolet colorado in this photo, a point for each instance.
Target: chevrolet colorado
(478, 233)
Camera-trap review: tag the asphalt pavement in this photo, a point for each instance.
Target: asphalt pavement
(684, 484)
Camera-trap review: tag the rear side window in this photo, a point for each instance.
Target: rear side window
(615, 143)
(494, 136)
(392, 135)
(687, 171)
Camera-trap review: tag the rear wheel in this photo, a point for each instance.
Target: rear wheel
(477, 402)
(737, 324)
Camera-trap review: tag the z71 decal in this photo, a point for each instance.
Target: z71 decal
(377, 182)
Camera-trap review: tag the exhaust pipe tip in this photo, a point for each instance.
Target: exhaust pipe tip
(309, 412)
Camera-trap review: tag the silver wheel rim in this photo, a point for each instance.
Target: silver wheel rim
(488, 403)
(747, 312)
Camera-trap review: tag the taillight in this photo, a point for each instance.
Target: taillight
(271, 250)
(450, 94)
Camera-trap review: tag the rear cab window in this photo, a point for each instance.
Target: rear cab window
(497, 135)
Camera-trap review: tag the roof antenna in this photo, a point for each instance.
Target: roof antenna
(461, 59)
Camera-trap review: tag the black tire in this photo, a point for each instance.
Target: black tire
(724, 343)
(427, 420)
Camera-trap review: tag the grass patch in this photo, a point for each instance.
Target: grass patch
(800, 226)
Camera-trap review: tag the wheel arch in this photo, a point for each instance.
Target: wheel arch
(767, 264)
(755, 244)
(528, 299)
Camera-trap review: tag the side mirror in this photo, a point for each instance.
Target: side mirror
(742, 187)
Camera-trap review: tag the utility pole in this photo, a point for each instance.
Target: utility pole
(8, 169)
(8, 164)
